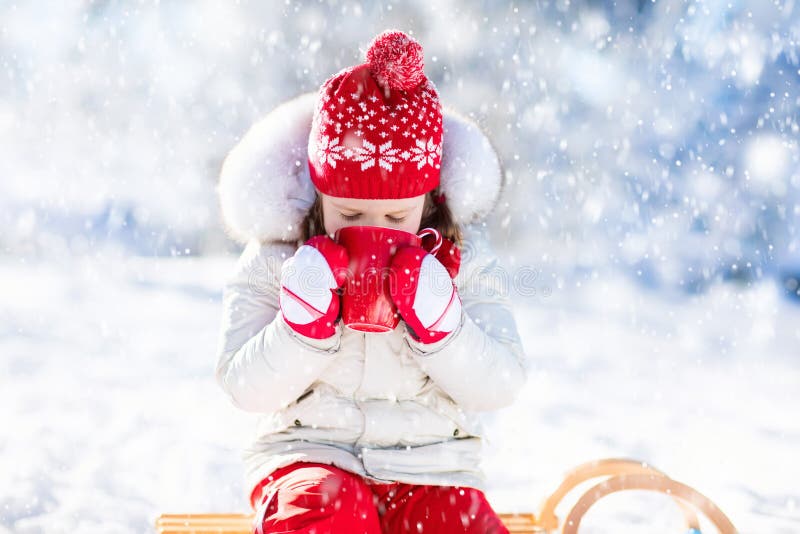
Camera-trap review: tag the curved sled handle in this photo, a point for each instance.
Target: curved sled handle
(641, 481)
(602, 468)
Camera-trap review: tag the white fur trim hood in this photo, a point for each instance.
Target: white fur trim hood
(265, 188)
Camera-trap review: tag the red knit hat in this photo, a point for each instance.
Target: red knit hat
(376, 131)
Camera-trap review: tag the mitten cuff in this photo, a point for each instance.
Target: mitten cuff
(329, 344)
(422, 349)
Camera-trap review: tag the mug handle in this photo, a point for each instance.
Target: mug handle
(433, 232)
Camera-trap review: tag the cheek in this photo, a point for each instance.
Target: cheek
(329, 221)
(330, 228)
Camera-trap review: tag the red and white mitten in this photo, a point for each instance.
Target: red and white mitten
(424, 293)
(309, 280)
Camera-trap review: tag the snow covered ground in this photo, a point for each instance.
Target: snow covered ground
(111, 414)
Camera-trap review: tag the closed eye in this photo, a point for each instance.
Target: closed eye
(357, 215)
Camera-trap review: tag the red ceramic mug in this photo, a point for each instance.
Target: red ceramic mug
(367, 305)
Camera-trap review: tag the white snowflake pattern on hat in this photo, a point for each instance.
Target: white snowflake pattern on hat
(369, 154)
(328, 150)
(425, 152)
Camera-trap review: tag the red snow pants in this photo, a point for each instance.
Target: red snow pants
(316, 498)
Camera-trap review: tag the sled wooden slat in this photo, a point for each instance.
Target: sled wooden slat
(242, 523)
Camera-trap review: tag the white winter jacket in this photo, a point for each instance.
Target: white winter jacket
(378, 404)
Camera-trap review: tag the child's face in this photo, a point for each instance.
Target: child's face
(402, 213)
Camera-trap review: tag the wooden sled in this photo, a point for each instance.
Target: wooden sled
(611, 476)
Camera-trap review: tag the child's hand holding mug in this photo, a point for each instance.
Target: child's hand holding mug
(423, 289)
(309, 282)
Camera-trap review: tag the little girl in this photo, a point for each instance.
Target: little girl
(366, 432)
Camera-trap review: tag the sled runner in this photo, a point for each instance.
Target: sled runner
(611, 476)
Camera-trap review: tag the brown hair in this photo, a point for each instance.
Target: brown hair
(434, 215)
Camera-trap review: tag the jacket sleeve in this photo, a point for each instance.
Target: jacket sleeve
(262, 364)
(481, 364)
